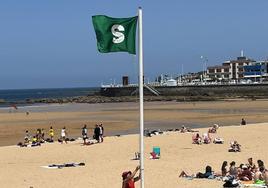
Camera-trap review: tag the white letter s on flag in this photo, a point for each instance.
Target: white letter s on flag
(119, 37)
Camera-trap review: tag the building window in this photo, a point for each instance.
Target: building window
(218, 70)
(211, 70)
(226, 70)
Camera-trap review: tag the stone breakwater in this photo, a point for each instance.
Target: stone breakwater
(179, 93)
(103, 99)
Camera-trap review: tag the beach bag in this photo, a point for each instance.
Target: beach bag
(231, 182)
(218, 141)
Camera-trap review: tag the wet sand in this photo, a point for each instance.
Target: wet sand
(122, 118)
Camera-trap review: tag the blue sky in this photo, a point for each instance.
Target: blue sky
(50, 44)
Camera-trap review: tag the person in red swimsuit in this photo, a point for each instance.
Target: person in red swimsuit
(129, 178)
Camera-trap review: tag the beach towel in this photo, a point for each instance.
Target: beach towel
(254, 186)
(251, 184)
(60, 166)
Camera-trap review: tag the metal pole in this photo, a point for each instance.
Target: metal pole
(141, 98)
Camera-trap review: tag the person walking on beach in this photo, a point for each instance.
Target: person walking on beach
(101, 132)
(84, 133)
(129, 178)
(97, 133)
(63, 135)
(51, 133)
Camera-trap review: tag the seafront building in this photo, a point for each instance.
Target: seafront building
(242, 70)
(230, 70)
(256, 72)
(239, 70)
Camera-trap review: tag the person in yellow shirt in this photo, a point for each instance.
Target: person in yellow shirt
(34, 140)
(51, 133)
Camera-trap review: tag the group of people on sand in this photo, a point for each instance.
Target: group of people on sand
(205, 138)
(98, 134)
(184, 129)
(39, 137)
(258, 174)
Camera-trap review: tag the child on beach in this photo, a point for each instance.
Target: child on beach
(84, 133)
(63, 135)
(129, 178)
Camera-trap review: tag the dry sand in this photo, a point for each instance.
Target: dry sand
(20, 167)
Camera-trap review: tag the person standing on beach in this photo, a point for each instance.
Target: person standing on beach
(27, 137)
(63, 135)
(97, 133)
(129, 178)
(42, 135)
(101, 132)
(84, 133)
(51, 133)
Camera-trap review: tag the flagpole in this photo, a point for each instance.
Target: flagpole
(141, 97)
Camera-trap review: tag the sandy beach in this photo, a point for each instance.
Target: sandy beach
(21, 167)
(105, 162)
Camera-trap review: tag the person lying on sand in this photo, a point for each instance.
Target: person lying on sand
(129, 178)
(67, 165)
(208, 173)
(184, 129)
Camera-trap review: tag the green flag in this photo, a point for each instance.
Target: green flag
(115, 34)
